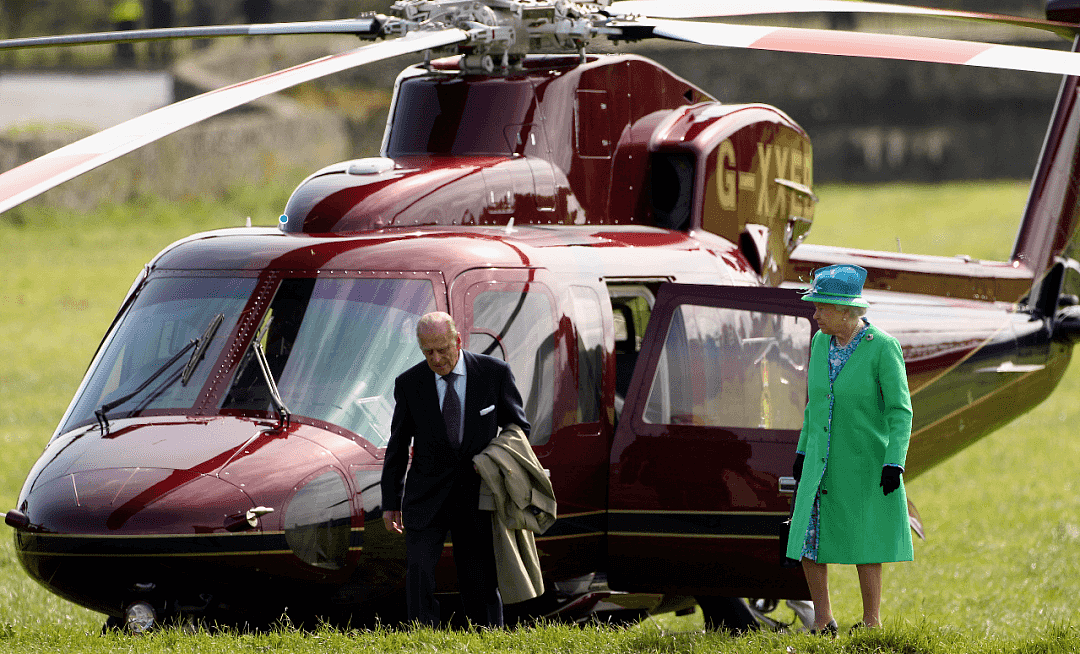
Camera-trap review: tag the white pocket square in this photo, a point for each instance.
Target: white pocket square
(487, 410)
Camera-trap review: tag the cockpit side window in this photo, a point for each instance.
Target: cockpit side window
(334, 347)
(519, 327)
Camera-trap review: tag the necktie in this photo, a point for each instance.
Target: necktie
(452, 410)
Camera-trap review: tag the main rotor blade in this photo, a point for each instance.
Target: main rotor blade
(362, 27)
(866, 44)
(35, 177)
(721, 8)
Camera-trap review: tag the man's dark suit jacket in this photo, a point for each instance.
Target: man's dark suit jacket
(437, 467)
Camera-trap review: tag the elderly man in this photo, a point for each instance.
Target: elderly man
(448, 407)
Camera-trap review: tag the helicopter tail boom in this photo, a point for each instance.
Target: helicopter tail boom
(1046, 242)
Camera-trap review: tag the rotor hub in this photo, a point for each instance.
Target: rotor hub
(502, 32)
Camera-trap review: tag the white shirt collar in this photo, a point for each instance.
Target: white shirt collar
(459, 367)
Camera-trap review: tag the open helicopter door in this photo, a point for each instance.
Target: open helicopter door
(697, 496)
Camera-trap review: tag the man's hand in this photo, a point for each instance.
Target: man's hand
(392, 521)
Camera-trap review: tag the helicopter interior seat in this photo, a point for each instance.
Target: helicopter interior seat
(625, 349)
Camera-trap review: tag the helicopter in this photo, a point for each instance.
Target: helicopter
(631, 246)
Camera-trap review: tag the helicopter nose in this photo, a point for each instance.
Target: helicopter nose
(149, 503)
(133, 500)
(99, 536)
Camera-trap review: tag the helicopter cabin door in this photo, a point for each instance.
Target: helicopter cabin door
(700, 484)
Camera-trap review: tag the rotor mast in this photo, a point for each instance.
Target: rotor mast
(502, 32)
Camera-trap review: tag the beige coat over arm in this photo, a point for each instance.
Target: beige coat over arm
(516, 487)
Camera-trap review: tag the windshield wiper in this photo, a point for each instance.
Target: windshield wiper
(200, 351)
(198, 344)
(268, 377)
(102, 413)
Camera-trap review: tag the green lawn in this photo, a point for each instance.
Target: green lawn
(979, 219)
(1000, 569)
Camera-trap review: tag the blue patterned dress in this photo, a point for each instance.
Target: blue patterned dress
(838, 356)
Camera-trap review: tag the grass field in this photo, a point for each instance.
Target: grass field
(1000, 571)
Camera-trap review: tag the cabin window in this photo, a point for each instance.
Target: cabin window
(590, 345)
(518, 326)
(731, 368)
(318, 522)
(335, 346)
(453, 116)
(169, 313)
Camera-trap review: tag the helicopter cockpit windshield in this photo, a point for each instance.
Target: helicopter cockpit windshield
(334, 347)
(169, 314)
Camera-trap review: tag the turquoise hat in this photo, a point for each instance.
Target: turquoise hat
(839, 284)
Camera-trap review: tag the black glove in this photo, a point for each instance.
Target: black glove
(796, 468)
(890, 479)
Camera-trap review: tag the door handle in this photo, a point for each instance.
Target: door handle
(787, 485)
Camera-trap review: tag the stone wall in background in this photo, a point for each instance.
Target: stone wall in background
(270, 138)
(204, 161)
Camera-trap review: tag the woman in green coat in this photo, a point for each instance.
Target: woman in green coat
(850, 506)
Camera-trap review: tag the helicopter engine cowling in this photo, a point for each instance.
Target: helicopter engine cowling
(743, 172)
(369, 194)
(550, 144)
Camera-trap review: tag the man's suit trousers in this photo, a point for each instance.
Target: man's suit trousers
(474, 556)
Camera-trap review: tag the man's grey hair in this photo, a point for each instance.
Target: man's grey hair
(436, 321)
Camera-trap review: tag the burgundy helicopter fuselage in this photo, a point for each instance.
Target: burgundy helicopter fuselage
(549, 211)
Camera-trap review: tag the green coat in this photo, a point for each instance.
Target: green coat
(871, 426)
